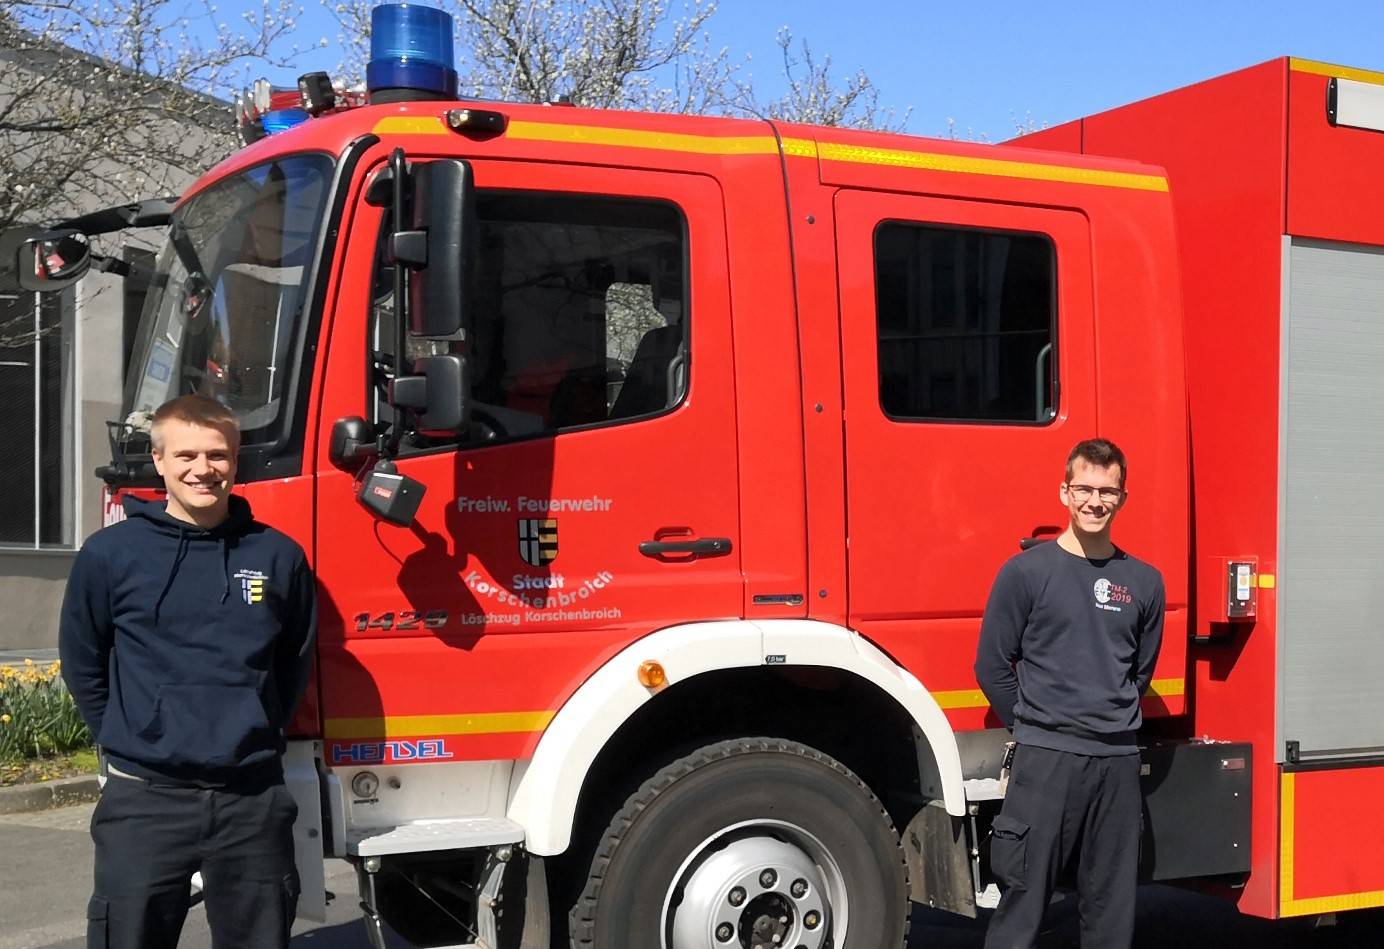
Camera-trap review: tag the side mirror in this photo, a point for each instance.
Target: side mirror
(440, 251)
(52, 260)
(352, 439)
(435, 394)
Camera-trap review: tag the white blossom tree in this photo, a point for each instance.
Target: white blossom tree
(628, 54)
(103, 102)
(815, 96)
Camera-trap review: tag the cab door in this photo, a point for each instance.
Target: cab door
(592, 500)
(968, 354)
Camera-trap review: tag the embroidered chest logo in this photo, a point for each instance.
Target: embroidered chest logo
(251, 585)
(538, 540)
(1111, 596)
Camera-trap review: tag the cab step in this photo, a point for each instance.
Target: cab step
(459, 833)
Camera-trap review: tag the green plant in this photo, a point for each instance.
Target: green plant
(37, 715)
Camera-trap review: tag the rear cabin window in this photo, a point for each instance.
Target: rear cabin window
(581, 311)
(966, 323)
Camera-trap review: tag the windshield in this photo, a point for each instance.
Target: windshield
(229, 289)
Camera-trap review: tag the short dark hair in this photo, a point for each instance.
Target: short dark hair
(1099, 453)
(195, 410)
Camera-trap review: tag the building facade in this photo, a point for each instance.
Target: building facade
(62, 366)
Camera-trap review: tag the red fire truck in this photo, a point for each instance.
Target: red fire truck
(652, 559)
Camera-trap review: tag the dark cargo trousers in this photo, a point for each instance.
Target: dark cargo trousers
(149, 841)
(1060, 809)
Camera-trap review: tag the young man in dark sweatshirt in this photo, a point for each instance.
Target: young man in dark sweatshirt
(1067, 647)
(186, 640)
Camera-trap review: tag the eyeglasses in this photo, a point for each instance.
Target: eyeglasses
(1081, 493)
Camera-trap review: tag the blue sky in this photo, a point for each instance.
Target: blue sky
(986, 63)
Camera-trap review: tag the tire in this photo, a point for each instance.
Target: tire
(667, 870)
(522, 920)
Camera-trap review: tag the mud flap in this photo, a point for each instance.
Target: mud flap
(939, 861)
(300, 776)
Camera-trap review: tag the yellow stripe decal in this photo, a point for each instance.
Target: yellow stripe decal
(793, 147)
(410, 125)
(1339, 72)
(1166, 688)
(1286, 795)
(962, 698)
(1267, 581)
(975, 698)
(1287, 905)
(411, 726)
(930, 161)
(637, 138)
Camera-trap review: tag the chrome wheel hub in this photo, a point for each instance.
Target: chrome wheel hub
(764, 885)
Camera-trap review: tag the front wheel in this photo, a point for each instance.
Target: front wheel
(755, 843)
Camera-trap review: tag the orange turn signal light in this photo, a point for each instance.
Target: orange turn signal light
(652, 674)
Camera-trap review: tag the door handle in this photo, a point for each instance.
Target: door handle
(701, 547)
(1040, 535)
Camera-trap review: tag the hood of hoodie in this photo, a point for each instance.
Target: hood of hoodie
(155, 513)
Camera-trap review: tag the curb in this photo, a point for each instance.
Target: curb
(42, 796)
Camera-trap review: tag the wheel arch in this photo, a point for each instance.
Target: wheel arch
(547, 789)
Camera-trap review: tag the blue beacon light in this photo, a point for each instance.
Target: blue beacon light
(281, 120)
(410, 54)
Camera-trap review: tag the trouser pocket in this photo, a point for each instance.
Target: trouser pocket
(97, 912)
(290, 890)
(1009, 851)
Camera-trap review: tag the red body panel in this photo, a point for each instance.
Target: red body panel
(1315, 875)
(1243, 177)
(1333, 172)
(461, 561)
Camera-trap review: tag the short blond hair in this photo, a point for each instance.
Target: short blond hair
(195, 410)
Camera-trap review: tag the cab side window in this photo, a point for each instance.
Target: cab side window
(581, 315)
(967, 324)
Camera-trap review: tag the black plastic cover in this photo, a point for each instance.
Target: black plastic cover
(391, 496)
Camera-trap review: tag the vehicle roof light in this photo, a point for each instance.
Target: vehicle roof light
(316, 93)
(476, 120)
(281, 120)
(410, 48)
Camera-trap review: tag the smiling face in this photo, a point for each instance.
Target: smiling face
(197, 463)
(1092, 496)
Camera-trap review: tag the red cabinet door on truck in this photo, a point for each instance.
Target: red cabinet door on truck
(968, 368)
(603, 420)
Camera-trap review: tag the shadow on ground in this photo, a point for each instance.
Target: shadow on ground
(1168, 918)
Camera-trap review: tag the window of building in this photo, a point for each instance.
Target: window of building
(38, 437)
(581, 313)
(966, 322)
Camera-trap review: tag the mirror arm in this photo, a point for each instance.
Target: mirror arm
(107, 264)
(398, 169)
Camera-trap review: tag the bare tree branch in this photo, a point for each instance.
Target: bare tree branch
(104, 102)
(623, 54)
(815, 97)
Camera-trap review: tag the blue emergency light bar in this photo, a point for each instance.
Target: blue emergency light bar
(411, 48)
(281, 120)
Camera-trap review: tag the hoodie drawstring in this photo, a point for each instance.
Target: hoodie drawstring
(172, 571)
(226, 567)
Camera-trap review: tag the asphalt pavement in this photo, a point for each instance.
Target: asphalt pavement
(45, 880)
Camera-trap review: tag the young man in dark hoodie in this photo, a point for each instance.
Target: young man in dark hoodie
(186, 640)
(1067, 647)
